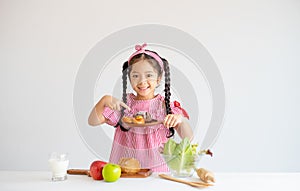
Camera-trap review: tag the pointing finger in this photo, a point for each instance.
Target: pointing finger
(125, 106)
(118, 107)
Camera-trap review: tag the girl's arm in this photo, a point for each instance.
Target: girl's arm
(96, 117)
(184, 129)
(180, 124)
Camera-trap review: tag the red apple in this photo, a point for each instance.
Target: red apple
(96, 169)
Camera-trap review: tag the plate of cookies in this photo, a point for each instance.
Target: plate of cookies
(140, 119)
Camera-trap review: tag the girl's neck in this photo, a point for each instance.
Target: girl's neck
(138, 97)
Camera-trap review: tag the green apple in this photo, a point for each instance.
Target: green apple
(111, 172)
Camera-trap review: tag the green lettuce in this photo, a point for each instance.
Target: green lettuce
(169, 147)
(180, 156)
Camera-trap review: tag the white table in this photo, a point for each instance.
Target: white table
(20, 180)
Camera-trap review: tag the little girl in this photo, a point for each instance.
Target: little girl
(144, 69)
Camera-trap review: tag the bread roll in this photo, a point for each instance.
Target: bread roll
(129, 165)
(127, 119)
(139, 119)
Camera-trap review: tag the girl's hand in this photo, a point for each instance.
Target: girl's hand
(172, 120)
(115, 104)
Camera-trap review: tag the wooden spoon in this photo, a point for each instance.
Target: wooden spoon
(194, 184)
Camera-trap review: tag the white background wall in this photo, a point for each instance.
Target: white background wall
(254, 43)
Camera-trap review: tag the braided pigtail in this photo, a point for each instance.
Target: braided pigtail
(124, 95)
(168, 93)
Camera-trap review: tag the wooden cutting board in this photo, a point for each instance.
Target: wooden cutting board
(143, 173)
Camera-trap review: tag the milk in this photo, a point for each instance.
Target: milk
(58, 164)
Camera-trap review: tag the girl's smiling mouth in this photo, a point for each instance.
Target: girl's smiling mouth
(143, 88)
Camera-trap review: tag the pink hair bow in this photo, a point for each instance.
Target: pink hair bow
(141, 49)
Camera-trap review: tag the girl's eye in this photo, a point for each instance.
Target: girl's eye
(134, 76)
(149, 75)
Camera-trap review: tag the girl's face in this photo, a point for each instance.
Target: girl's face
(144, 79)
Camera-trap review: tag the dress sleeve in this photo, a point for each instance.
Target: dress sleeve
(112, 116)
(177, 109)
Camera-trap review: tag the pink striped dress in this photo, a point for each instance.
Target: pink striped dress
(142, 143)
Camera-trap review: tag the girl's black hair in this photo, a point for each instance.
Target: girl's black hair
(168, 93)
(167, 89)
(124, 95)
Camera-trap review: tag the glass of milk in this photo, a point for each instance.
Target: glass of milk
(59, 165)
